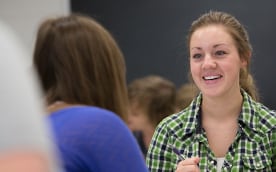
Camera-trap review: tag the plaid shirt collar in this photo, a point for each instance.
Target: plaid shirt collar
(250, 121)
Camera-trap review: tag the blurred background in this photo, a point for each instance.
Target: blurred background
(151, 33)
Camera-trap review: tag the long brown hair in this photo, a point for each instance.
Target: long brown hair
(79, 62)
(241, 39)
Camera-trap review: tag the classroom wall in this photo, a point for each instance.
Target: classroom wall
(152, 35)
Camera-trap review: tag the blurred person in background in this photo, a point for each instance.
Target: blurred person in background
(151, 98)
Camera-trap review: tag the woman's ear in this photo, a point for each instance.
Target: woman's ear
(246, 59)
(244, 63)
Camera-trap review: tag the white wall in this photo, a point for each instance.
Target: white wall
(24, 16)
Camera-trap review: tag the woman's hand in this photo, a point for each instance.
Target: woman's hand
(188, 165)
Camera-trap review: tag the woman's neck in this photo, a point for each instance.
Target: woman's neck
(222, 108)
(220, 121)
(147, 135)
(57, 105)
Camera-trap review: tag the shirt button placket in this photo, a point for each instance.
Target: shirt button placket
(212, 166)
(258, 165)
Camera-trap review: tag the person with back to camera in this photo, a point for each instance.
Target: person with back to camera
(224, 128)
(151, 98)
(82, 71)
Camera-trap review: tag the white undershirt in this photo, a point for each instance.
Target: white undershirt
(220, 163)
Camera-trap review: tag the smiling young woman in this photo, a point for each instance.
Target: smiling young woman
(222, 128)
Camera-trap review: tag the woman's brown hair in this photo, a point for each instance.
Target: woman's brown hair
(79, 62)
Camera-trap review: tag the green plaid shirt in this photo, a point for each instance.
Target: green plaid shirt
(254, 148)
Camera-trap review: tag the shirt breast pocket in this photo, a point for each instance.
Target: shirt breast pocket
(257, 162)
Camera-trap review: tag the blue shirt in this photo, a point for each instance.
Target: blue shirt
(94, 139)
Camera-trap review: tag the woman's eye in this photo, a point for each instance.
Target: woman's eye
(220, 53)
(196, 56)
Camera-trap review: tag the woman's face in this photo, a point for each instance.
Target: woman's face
(215, 62)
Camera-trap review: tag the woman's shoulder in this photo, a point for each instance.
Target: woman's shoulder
(84, 112)
(86, 117)
(257, 115)
(97, 135)
(186, 116)
(180, 123)
(267, 117)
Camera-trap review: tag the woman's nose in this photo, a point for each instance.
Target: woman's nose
(209, 62)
